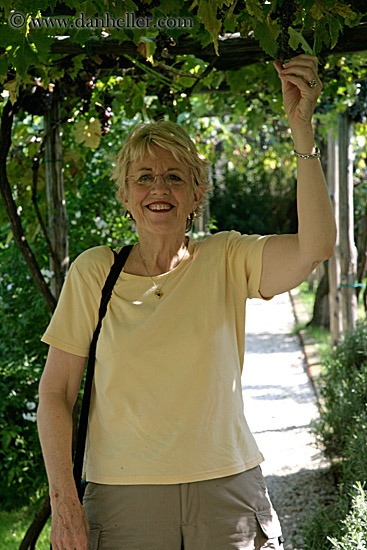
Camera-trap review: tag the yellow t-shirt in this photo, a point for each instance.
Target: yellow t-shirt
(167, 398)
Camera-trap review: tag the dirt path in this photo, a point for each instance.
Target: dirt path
(279, 405)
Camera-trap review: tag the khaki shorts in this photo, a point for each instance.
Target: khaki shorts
(217, 514)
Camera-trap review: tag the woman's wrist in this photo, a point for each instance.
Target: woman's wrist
(66, 491)
(304, 140)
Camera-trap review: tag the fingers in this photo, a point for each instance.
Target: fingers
(278, 66)
(304, 66)
(306, 90)
(70, 530)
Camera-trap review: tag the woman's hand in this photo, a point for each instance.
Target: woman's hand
(300, 93)
(69, 528)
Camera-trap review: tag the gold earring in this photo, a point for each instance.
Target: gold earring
(190, 221)
(128, 215)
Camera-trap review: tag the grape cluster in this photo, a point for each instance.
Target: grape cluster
(107, 119)
(105, 115)
(285, 12)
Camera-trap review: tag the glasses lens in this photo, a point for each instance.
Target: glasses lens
(149, 179)
(173, 179)
(145, 179)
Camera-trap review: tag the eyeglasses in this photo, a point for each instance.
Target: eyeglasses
(147, 180)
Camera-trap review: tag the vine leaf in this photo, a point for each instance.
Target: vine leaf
(207, 11)
(345, 11)
(254, 9)
(296, 38)
(147, 48)
(88, 132)
(11, 87)
(335, 27)
(25, 57)
(265, 36)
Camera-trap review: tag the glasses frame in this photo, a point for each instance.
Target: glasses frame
(164, 175)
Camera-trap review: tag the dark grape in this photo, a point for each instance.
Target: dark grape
(285, 13)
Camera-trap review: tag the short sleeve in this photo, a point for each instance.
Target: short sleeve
(76, 315)
(244, 257)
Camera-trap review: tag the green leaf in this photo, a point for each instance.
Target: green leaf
(130, 96)
(25, 57)
(9, 36)
(334, 28)
(264, 35)
(207, 12)
(237, 80)
(42, 43)
(147, 48)
(344, 11)
(353, 22)
(6, 6)
(296, 38)
(254, 9)
(78, 63)
(317, 12)
(5, 440)
(322, 35)
(3, 66)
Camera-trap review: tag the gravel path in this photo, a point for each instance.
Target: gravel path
(279, 405)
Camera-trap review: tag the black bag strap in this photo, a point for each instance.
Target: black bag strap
(115, 271)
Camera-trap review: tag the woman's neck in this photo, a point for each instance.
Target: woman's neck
(155, 256)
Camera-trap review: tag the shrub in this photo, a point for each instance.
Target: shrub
(342, 433)
(344, 395)
(323, 521)
(22, 356)
(355, 524)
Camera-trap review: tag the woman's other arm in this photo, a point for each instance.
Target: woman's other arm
(58, 392)
(289, 259)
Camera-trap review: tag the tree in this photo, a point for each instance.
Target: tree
(348, 251)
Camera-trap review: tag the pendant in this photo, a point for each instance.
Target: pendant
(158, 294)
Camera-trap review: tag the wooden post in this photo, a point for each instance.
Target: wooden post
(348, 250)
(56, 205)
(332, 176)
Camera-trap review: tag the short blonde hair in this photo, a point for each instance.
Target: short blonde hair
(169, 136)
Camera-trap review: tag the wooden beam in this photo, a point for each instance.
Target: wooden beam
(234, 52)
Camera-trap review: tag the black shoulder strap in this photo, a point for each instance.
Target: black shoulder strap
(112, 277)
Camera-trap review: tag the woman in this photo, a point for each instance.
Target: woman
(170, 461)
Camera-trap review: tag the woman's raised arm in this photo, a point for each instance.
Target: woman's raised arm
(289, 259)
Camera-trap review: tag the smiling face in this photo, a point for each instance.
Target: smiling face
(161, 206)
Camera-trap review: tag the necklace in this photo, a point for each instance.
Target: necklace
(157, 289)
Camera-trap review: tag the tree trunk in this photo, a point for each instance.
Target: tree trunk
(59, 257)
(362, 255)
(56, 204)
(348, 250)
(321, 312)
(12, 210)
(332, 174)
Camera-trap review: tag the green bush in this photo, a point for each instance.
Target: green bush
(22, 356)
(342, 433)
(344, 396)
(355, 524)
(325, 520)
